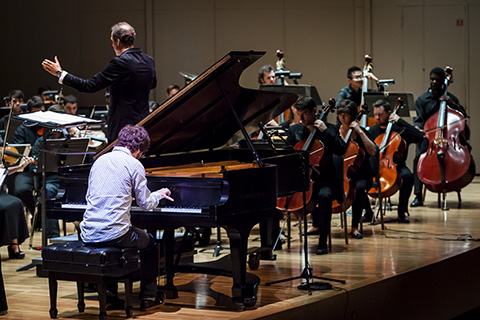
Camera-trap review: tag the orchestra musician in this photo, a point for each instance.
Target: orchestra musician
(171, 90)
(14, 101)
(13, 229)
(23, 182)
(328, 182)
(355, 83)
(130, 76)
(266, 75)
(114, 179)
(382, 111)
(362, 178)
(427, 105)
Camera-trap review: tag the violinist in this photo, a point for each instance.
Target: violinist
(14, 101)
(383, 115)
(363, 176)
(427, 105)
(22, 184)
(327, 182)
(13, 229)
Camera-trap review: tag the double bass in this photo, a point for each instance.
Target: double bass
(316, 149)
(392, 148)
(447, 165)
(352, 160)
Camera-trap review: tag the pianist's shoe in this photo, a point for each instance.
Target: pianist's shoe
(148, 305)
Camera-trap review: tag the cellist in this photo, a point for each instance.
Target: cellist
(327, 182)
(382, 112)
(427, 105)
(362, 178)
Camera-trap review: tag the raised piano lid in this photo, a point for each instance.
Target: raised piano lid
(199, 116)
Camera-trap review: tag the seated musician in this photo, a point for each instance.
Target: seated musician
(383, 114)
(13, 229)
(114, 178)
(328, 183)
(363, 176)
(426, 106)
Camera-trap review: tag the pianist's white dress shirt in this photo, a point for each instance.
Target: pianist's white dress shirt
(114, 178)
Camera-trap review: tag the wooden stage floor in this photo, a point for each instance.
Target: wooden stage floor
(428, 269)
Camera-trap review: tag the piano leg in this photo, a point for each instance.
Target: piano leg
(245, 285)
(170, 289)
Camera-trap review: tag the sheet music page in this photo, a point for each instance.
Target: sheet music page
(62, 119)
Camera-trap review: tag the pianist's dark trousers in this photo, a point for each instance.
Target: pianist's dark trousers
(145, 242)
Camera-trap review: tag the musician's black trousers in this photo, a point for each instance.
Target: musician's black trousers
(422, 147)
(145, 242)
(405, 191)
(361, 200)
(322, 214)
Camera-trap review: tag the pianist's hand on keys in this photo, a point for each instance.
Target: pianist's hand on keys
(165, 193)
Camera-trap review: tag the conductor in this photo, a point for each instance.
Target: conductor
(130, 76)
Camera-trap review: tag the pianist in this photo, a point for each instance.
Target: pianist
(114, 178)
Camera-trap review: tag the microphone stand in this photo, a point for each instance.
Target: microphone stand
(307, 272)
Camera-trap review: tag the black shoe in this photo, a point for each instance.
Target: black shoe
(147, 305)
(357, 235)
(15, 255)
(417, 202)
(368, 217)
(321, 249)
(403, 220)
(313, 232)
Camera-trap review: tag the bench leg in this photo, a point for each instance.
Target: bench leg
(102, 299)
(81, 296)
(52, 286)
(128, 297)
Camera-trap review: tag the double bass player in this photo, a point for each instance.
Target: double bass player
(427, 105)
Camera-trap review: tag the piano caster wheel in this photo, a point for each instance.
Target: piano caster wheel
(250, 302)
(253, 261)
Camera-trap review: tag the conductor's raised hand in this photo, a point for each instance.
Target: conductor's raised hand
(51, 66)
(165, 193)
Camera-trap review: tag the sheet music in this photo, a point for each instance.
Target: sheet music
(60, 119)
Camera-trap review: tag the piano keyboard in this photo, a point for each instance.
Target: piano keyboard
(83, 206)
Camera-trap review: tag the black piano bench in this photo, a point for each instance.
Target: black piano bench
(75, 261)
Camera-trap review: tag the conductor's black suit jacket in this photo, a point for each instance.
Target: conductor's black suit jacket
(130, 77)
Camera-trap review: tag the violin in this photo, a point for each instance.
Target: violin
(392, 148)
(447, 165)
(352, 160)
(316, 149)
(11, 157)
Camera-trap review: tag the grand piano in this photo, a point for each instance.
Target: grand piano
(212, 185)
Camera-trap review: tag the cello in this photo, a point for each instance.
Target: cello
(365, 121)
(392, 148)
(447, 165)
(316, 149)
(352, 160)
